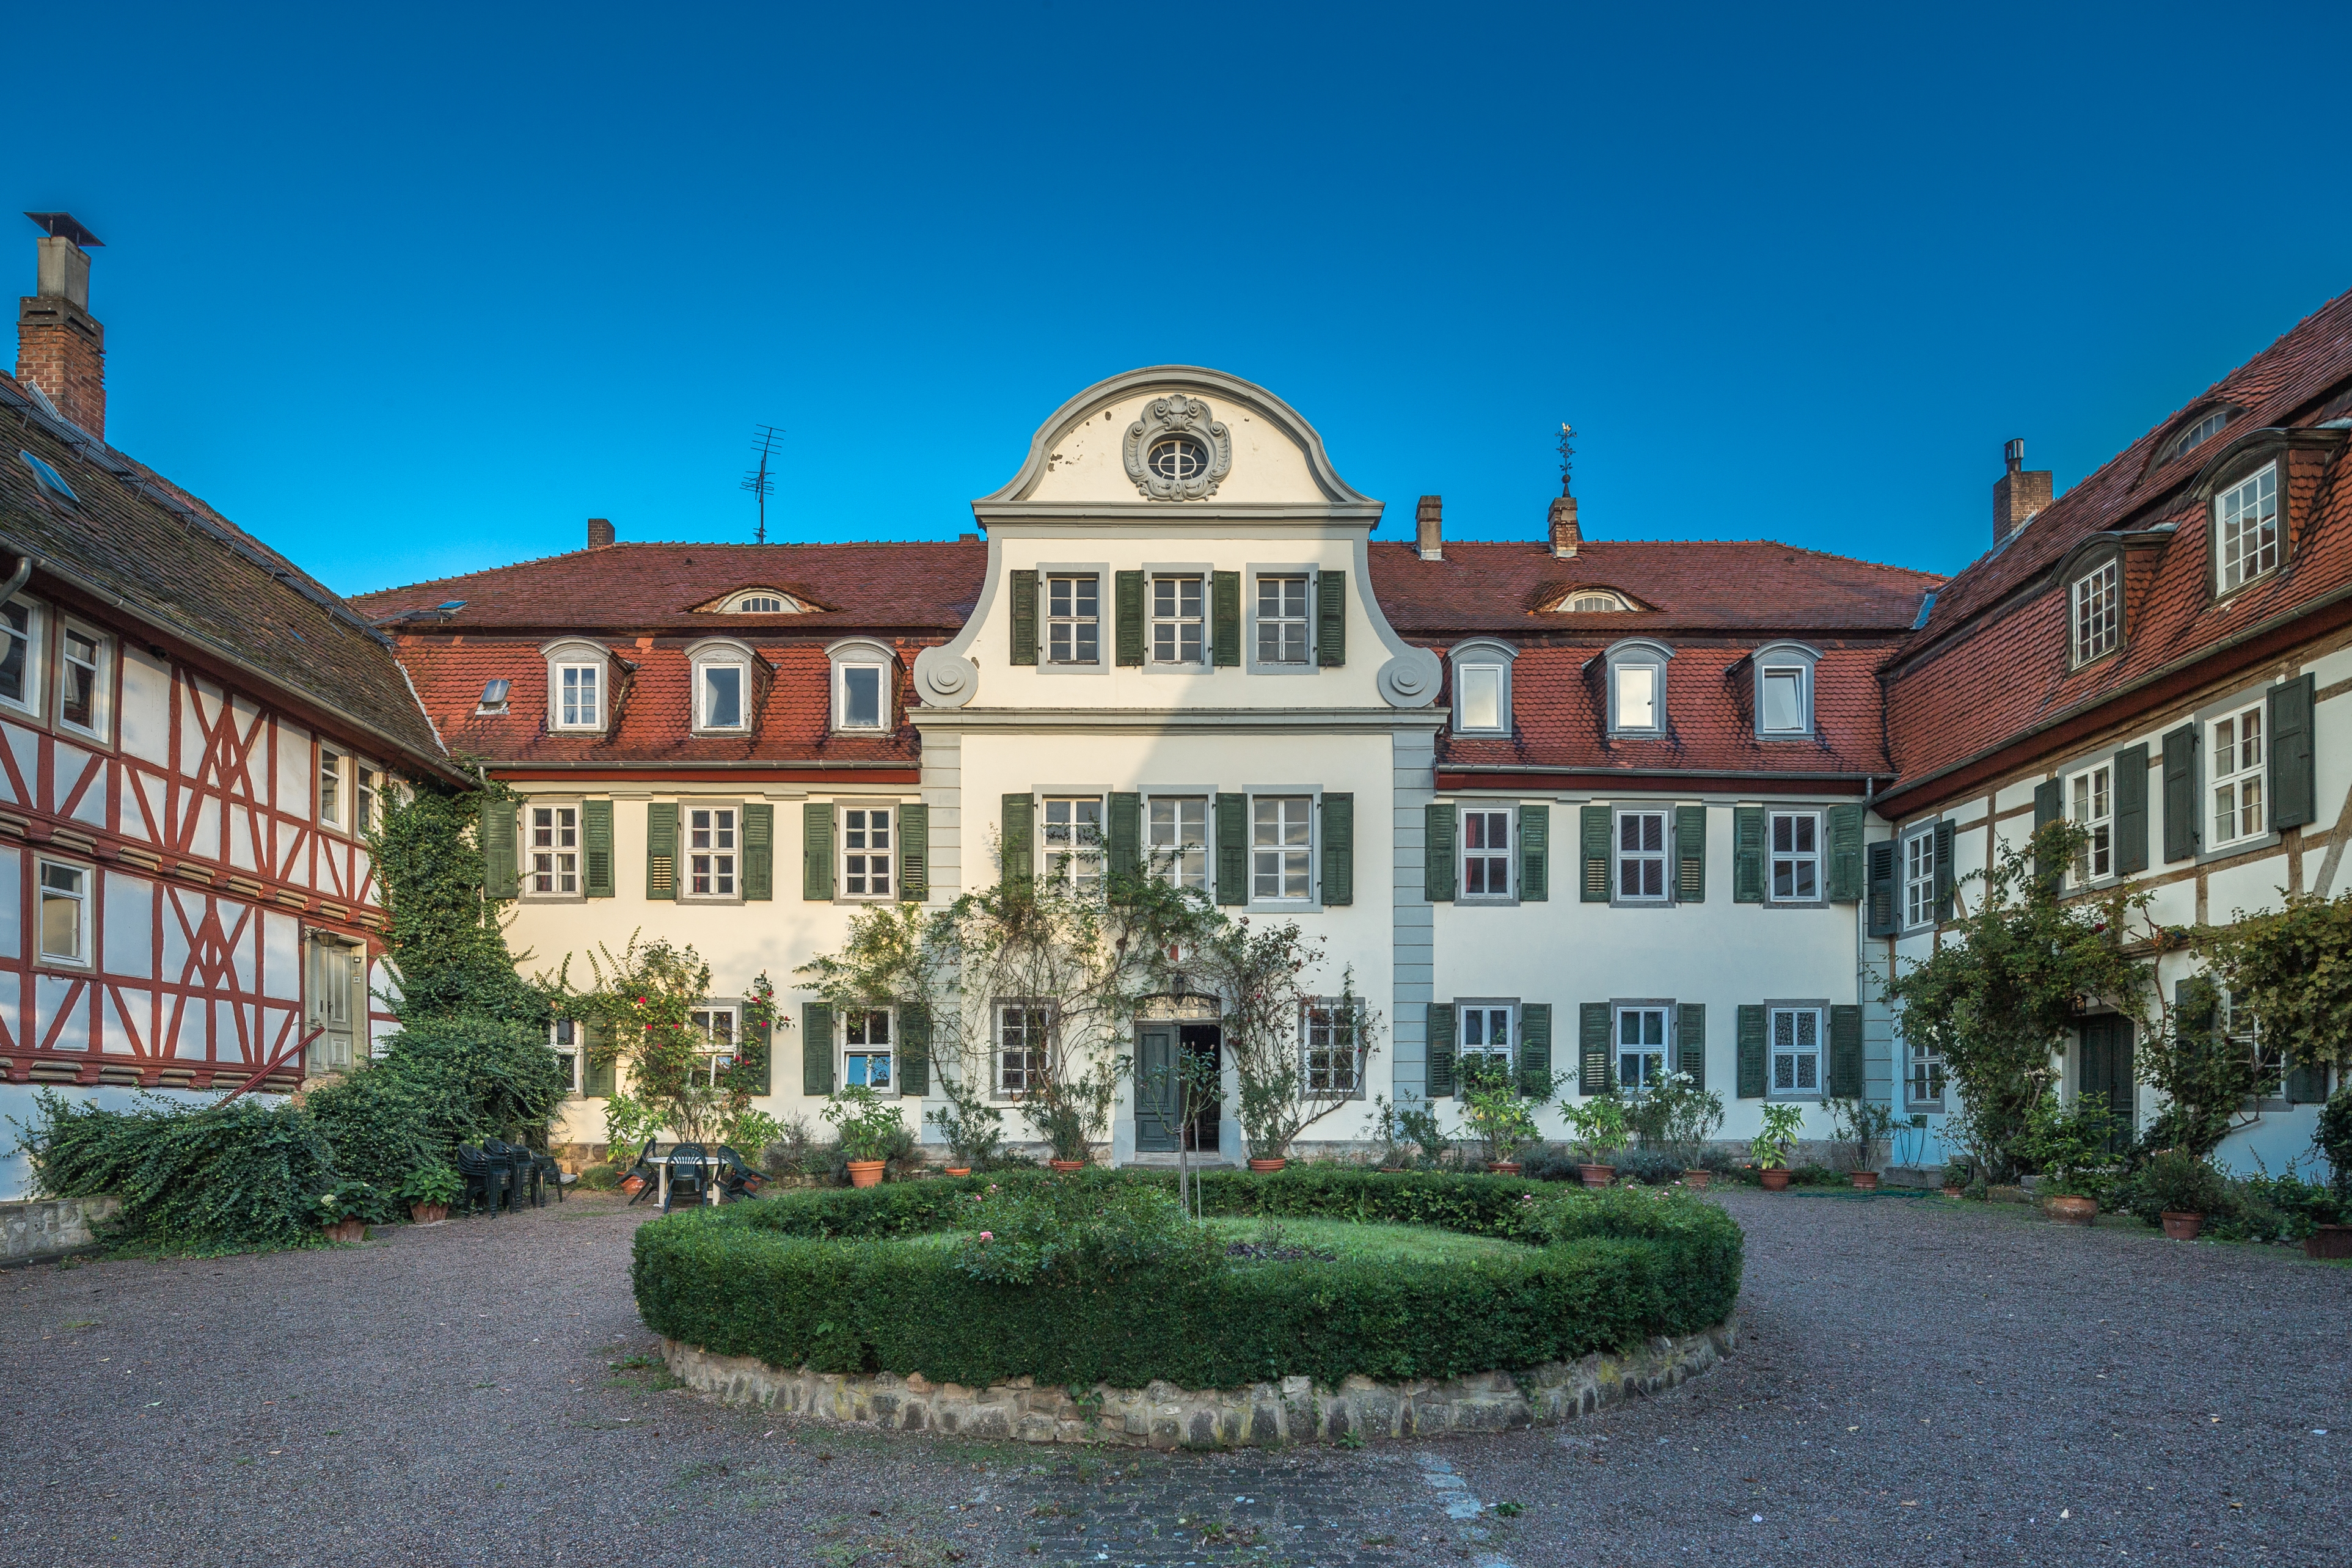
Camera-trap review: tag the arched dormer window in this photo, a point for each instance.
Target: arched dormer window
(579, 687)
(721, 686)
(862, 686)
(1637, 687)
(756, 600)
(1784, 690)
(1482, 687)
(2200, 429)
(1592, 601)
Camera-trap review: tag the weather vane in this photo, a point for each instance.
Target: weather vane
(760, 481)
(1567, 454)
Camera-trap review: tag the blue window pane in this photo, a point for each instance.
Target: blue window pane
(862, 699)
(724, 687)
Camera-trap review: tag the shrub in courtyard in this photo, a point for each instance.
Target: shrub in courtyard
(1054, 1235)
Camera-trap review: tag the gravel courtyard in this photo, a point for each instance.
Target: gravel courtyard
(1917, 1381)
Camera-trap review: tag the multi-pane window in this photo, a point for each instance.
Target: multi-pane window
(865, 1059)
(555, 849)
(563, 1039)
(1480, 699)
(2239, 1026)
(2246, 534)
(331, 785)
(866, 851)
(82, 689)
(18, 665)
(717, 1028)
(1796, 843)
(1919, 879)
(710, 852)
(1073, 840)
(2090, 806)
(859, 701)
(1176, 829)
(1633, 691)
(1279, 843)
(579, 697)
(1641, 1048)
(1795, 1051)
(1282, 620)
(1021, 1046)
(1334, 1056)
(1485, 854)
(2238, 773)
(1176, 621)
(720, 697)
(2199, 434)
(1923, 1084)
(2098, 616)
(64, 912)
(1782, 692)
(1484, 1045)
(367, 798)
(1642, 854)
(1073, 620)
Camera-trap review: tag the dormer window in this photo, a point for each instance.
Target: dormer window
(760, 602)
(1784, 691)
(1482, 687)
(721, 687)
(577, 677)
(1591, 602)
(2246, 529)
(1637, 688)
(861, 685)
(2198, 434)
(2095, 611)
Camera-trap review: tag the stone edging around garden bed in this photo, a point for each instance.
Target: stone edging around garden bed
(1264, 1414)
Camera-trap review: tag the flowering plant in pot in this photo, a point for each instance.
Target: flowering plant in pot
(2070, 1142)
(1600, 1131)
(1774, 1141)
(429, 1190)
(869, 1127)
(1500, 1113)
(343, 1209)
(2180, 1190)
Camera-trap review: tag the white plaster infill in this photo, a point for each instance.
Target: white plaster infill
(1262, 1415)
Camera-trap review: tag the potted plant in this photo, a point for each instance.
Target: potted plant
(1773, 1142)
(1499, 1116)
(869, 1126)
(1599, 1124)
(429, 1191)
(2333, 1139)
(1956, 1178)
(343, 1209)
(2182, 1191)
(973, 1128)
(2070, 1144)
(1864, 1125)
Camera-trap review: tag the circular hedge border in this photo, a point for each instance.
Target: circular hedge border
(822, 1280)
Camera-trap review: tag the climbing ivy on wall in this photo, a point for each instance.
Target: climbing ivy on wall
(446, 941)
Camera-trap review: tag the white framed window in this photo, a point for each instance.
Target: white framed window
(2091, 806)
(1594, 601)
(1330, 1037)
(579, 697)
(1482, 686)
(1281, 847)
(1073, 840)
(1176, 839)
(2246, 530)
(867, 852)
(83, 688)
(2239, 1026)
(1641, 856)
(2199, 434)
(865, 1051)
(761, 601)
(64, 912)
(1919, 879)
(20, 661)
(1637, 688)
(2238, 741)
(1485, 852)
(331, 785)
(1022, 1039)
(1640, 1046)
(1282, 634)
(722, 691)
(563, 1038)
(1482, 696)
(860, 696)
(1795, 874)
(2097, 619)
(1923, 1081)
(710, 848)
(367, 796)
(1784, 709)
(554, 850)
(1484, 1042)
(1796, 1037)
(1073, 619)
(1177, 624)
(716, 1025)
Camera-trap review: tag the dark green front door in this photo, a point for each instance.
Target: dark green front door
(2106, 1072)
(1158, 1099)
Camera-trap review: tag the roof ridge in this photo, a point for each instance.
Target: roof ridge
(1616, 544)
(656, 544)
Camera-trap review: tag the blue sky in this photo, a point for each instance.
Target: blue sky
(411, 292)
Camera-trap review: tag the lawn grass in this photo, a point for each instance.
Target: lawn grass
(1417, 1243)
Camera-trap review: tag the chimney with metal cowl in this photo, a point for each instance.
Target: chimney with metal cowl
(61, 347)
(600, 532)
(2019, 494)
(1430, 539)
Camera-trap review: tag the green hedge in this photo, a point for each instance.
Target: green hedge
(811, 1278)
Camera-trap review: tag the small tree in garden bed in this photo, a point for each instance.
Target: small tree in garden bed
(1496, 1110)
(644, 998)
(1675, 1117)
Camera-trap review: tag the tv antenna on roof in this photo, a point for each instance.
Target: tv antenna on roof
(1567, 454)
(761, 481)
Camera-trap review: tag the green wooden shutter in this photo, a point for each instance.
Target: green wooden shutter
(1593, 854)
(596, 838)
(1024, 617)
(1439, 819)
(1441, 1050)
(1945, 880)
(1015, 836)
(1880, 910)
(501, 878)
(1690, 1042)
(2049, 805)
(1339, 849)
(914, 1052)
(764, 1076)
(661, 849)
(2294, 793)
(2306, 1083)
(1690, 854)
(597, 1079)
(1330, 619)
(816, 1048)
(1535, 1049)
(1232, 849)
(2180, 824)
(1535, 853)
(1752, 1051)
(816, 850)
(1225, 619)
(1127, 609)
(1126, 834)
(1846, 853)
(2131, 809)
(759, 852)
(1845, 1052)
(1748, 854)
(1592, 1048)
(2196, 1006)
(914, 853)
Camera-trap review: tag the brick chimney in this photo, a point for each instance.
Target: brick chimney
(61, 347)
(2018, 494)
(1430, 540)
(600, 532)
(1566, 538)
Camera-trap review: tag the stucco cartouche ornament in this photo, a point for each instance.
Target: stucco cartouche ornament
(1177, 414)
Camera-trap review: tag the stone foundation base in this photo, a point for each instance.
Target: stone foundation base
(41, 1229)
(1264, 1414)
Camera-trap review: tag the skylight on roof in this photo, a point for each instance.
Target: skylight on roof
(1926, 604)
(50, 479)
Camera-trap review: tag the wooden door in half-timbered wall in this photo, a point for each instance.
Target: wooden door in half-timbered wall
(336, 991)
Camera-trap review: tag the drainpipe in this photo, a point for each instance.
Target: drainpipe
(17, 580)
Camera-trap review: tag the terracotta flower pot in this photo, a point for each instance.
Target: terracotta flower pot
(959, 1170)
(1064, 1168)
(428, 1213)
(632, 1185)
(346, 1232)
(1504, 1167)
(1597, 1175)
(1262, 1166)
(865, 1173)
(1775, 1179)
(1696, 1181)
(2182, 1226)
(1951, 1192)
(2070, 1210)
(2328, 1241)
(1866, 1181)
